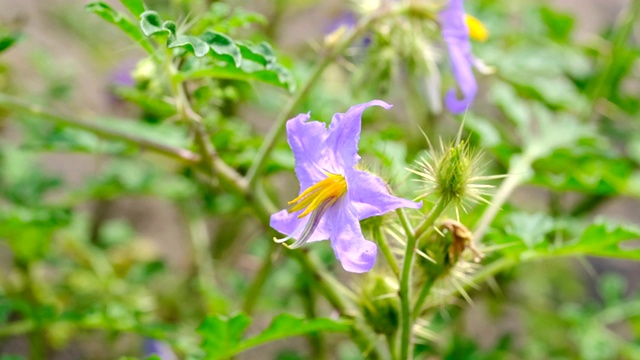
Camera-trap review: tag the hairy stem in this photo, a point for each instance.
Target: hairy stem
(406, 319)
(15, 104)
(253, 293)
(422, 297)
(201, 247)
(383, 245)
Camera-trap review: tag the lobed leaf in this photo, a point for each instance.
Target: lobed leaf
(222, 337)
(151, 24)
(221, 44)
(192, 43)
(606, 239)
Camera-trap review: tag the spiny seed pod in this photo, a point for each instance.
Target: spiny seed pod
(380, 305)
(451, 173)
(446, 248)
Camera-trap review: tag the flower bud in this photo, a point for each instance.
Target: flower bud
(446, 248)
(452, 174)
(380, 304)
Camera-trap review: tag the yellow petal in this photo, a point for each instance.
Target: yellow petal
(477, 30)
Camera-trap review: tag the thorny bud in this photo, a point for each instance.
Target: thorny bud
(380, 305)
(446, 248)
(452, 174)
(453, 171)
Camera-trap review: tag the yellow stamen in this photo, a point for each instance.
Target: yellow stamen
(477, 30)
(329, 189)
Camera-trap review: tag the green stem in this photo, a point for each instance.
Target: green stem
(327, 285)
(316, 339)
(253, 293)
(391, 343)
(19, 105)
(406, 320)
(422, 297)
(383, 245)
(428, 222)
(200, 244)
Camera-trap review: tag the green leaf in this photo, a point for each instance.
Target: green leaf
(6, 41)
(222, 336)
(192, 43)
(223, 45)
(606, 240)
(278, 76)
(530, 228)
(136, 7)
(559, 24)
(151, 24)
(127, 26)
(261, 53)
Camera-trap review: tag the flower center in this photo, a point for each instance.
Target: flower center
(477, 30)
(326, 192)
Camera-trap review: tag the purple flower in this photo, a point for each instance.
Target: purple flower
(156, 347)
(334, 195)
(456, 34)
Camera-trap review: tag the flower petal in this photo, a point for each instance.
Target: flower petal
(344, 134)
(461, 61)
(456, 34)
(369, 196)
(356, 254)
(288, 223)
(307, 140)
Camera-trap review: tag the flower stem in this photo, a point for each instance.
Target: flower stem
(386, 250)
(253, 293)
(200, 243)
(12, 103)
(422, 297)
(406, 320)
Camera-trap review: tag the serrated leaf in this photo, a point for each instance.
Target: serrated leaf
(192, 43)
(136, 7)
(151, 24)
(287, 325)
(223, 45)
(530, 228)
(261, 53)
(222, 336)
(127, 26)
(606, 240)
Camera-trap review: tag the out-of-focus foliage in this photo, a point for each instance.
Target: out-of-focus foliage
(559, 115)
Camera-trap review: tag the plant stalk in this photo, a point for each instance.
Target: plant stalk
(406, 319)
